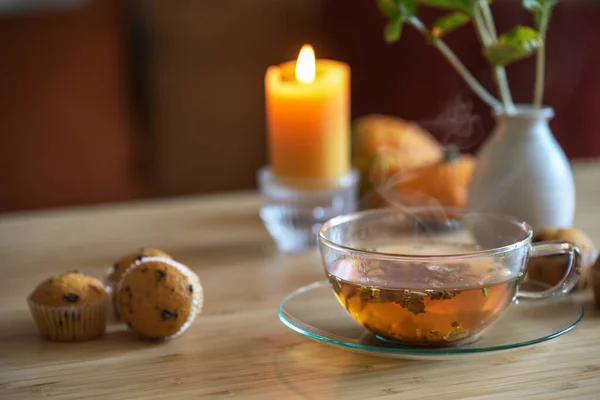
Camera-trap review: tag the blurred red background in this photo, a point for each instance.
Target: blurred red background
(116, 100)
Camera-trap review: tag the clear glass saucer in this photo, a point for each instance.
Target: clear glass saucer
(314, 312)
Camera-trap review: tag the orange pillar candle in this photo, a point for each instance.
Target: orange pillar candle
(308, 119)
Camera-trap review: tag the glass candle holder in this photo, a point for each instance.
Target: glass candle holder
(294, 210)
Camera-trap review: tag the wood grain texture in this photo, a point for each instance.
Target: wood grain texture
(237, 348)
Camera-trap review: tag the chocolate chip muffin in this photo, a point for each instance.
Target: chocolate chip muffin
(159, 298)
(115, 273)
(70, 307)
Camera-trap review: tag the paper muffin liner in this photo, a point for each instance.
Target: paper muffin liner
(71, 323)
(198, 299)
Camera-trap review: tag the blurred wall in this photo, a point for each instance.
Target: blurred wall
(66, 122)
(208, 63)
(125, 99)
(116, 100)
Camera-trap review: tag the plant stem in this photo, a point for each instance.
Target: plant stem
(484, 24)
(540, 72)
(482, 30)
(457, 65)
(489, 19)
(502, 82)
(538, 94)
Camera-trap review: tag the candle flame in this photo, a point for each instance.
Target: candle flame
(305, 66)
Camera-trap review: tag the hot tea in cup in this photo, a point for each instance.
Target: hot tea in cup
(431, 278)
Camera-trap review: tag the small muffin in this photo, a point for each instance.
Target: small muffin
(115, 273)
(551, 269)
(70, 307)
(159, 298)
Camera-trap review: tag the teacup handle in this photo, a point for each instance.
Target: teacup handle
(571, 276)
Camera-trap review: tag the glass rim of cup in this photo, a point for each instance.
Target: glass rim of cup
(525, 227)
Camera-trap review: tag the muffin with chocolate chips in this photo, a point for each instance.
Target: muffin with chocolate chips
(115, 273)
(70, 307)
(159, 298)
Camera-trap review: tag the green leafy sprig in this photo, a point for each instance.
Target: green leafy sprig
(499, 50)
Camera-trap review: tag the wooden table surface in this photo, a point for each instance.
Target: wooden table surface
(238, 348)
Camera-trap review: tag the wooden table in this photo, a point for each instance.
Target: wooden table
(238, 348)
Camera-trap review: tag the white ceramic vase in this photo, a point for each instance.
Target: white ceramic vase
(522, 171)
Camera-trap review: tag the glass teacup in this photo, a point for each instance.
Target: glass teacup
(433, 277)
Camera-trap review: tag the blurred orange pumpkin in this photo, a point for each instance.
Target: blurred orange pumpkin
(384, 146)
(445, 183)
